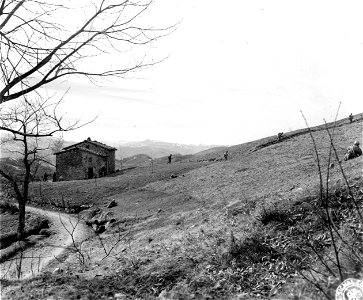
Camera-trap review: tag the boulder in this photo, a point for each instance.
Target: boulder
(86, 206)
(104, 217)
(92, 221)
(45, 232)
(44, 224)
(109, 223)
(120, 296)
(112, 204)
(100, 229)
(33, 239)
(57, 271)
(89, 214)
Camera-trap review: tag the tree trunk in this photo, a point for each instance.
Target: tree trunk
(21, 225)
(22, 201)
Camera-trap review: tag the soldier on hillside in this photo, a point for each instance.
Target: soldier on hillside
(169, 159)
(279, 136)
(356, 149)
(225, 155)
(350, 118)
(353, 151)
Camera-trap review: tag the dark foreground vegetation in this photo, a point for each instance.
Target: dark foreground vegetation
(283, 244)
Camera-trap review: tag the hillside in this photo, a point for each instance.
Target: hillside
(212, 151)
(132, 161)
(156, 149)
(202, 229)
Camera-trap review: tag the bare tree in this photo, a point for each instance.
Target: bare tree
(28, 122)
(57, 145)
(41, 41)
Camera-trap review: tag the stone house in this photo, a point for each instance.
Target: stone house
(85, 160)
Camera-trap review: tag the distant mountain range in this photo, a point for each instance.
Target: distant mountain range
(156, 149)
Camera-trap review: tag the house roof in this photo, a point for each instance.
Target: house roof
(82, 149)
(92, 142)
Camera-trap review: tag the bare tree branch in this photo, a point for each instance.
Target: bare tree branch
(35, 50)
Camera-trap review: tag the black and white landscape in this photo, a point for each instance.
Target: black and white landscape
(181, 149)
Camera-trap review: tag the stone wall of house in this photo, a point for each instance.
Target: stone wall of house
(69, 165)
(110, 165)
(90, 160)
(75, 164)
(93, 147)
(111, 161)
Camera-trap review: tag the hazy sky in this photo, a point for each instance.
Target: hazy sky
(236, 71)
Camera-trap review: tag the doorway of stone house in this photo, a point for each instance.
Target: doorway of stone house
(90, 173)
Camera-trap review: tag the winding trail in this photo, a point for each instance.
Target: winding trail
(37, 257)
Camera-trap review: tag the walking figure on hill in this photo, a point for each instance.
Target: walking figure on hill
(45, 177)
(279, 136)
(353, 151)
(169, 159)
(225, 155)
(350, 118)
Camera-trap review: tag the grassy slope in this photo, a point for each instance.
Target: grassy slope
(275, 171)
(98, 191)
(172, 217)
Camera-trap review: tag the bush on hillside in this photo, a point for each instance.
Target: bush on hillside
(251, 250)
(8, 207)
(274, 214)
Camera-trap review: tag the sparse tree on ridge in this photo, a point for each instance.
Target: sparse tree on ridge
(38, 47)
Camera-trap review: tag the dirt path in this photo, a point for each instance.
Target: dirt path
(37, 257)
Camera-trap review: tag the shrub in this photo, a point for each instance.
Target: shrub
(8, 207)
(274, 215)
(249, 251)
